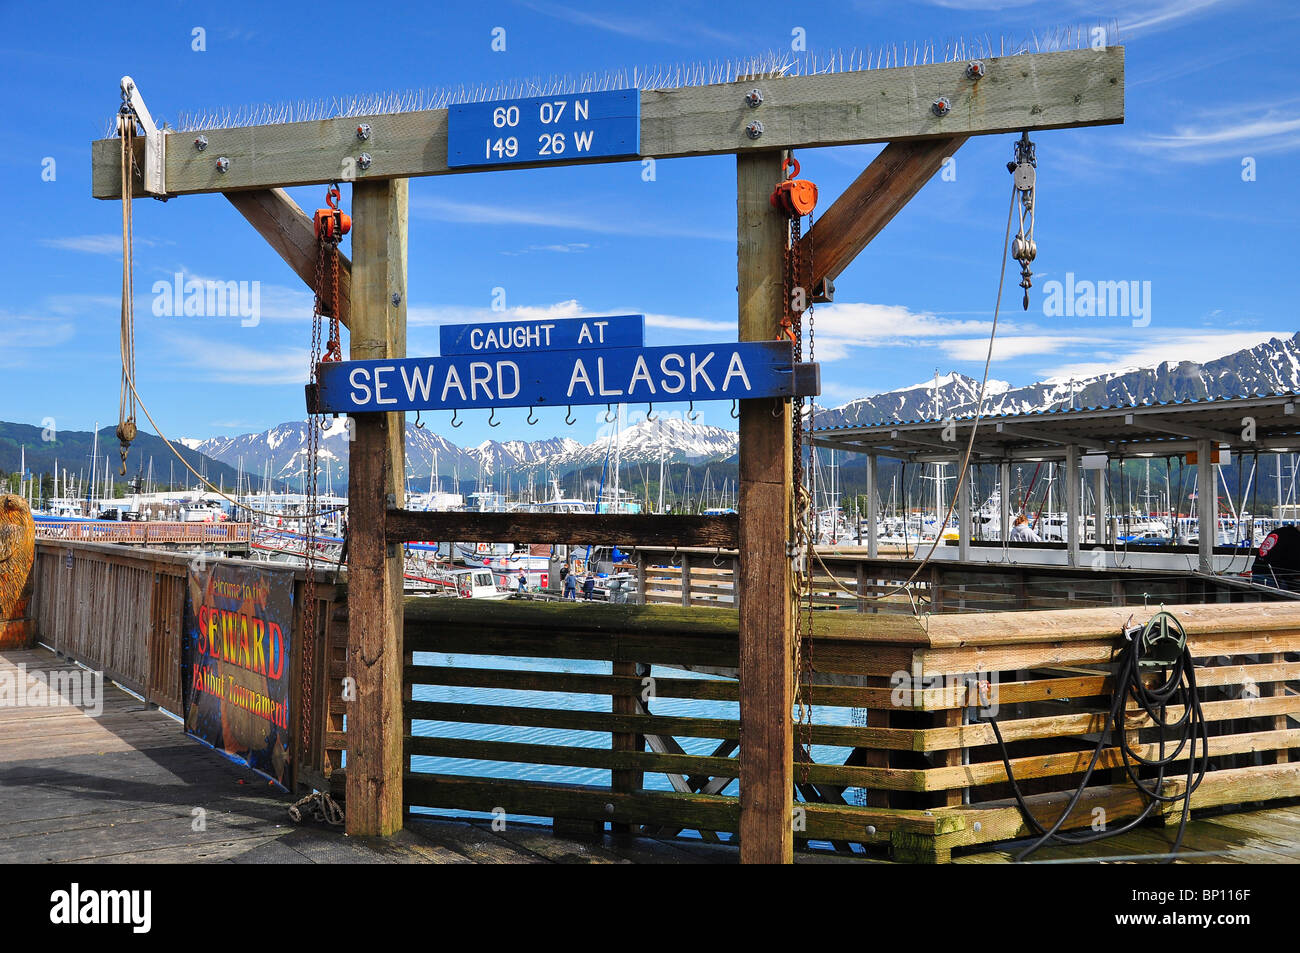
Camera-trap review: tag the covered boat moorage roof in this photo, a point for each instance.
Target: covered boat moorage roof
(1086, 439)
(1120, 432)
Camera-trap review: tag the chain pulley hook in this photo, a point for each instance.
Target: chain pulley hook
(1024, 248)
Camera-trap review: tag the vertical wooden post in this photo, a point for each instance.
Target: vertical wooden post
(1207, 503)
(873, 508)
(1073, 511)
(766, 609)
(377, 465)
(1004, 502)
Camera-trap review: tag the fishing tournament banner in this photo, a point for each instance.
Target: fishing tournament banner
(235, 663)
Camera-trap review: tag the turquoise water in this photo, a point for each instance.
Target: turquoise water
(552, 736)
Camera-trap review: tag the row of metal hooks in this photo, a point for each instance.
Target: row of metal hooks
(610, 416)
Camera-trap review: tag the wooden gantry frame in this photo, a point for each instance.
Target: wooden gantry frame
(1036, 91)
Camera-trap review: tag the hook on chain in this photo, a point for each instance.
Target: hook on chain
(531, 419)
(454, 421)
(418, 424)
(492, 419)
(650, 412)
(735, 410)
(691, 413)
(609, 409)
(568, 416)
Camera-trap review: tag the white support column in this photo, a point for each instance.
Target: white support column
(873, 484)
(1004, 493)
(1099, 515)
(1073, 530)
(1207, 503)
(963, 514)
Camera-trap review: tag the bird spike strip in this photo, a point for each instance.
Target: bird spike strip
(770, 64)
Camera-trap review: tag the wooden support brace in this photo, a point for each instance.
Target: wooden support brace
(871, 202)
(289, 230)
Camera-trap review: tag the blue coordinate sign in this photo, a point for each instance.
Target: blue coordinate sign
(558, 378)
(617, 330)
(544, 129)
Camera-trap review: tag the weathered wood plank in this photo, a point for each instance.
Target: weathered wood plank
(626, 528)
(288, 230)
(1027, 91)
(374, 657)
(766, 618)
(871, 202)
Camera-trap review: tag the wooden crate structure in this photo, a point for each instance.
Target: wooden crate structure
(918, 772)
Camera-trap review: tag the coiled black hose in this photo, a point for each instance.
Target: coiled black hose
(1178, 689)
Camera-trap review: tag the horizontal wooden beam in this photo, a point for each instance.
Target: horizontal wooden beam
(623, 528)
(871, 202)
(1029, 91)
(290, 232)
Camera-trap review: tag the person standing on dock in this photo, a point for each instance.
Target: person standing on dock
(588, 587)
(570, 585)
(1021, 531)
(523, 579)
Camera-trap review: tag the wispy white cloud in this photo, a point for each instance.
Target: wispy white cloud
(92, 244)
(674, 30)
(23, 331)
(1146, 17)
(562, 248)
(1269, 129)
(1174, 344)
(477, 213)
(234, 363)
(1010, 347)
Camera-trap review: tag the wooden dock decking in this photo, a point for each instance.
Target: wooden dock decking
(129, 787)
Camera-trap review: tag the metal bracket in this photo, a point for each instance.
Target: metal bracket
(155, 140)
(808, 379)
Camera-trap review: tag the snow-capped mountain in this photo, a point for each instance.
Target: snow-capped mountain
(1272, 366)
(281, 451)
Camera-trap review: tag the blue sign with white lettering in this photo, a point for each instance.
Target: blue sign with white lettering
(559, 334)
(558, 378)
(544, 129)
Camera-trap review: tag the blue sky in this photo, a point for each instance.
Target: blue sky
(1160, 199)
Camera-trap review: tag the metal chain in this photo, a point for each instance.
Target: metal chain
(326, 261)
(806, 654)
(801, 538)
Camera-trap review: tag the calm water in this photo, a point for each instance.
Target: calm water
(552, 736)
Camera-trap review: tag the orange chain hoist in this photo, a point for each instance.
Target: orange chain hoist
(331, 225)
(794, 197)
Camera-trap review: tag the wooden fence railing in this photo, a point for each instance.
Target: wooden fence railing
(144, 532)
(915, 767)
(121, 611)
(859, 583)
